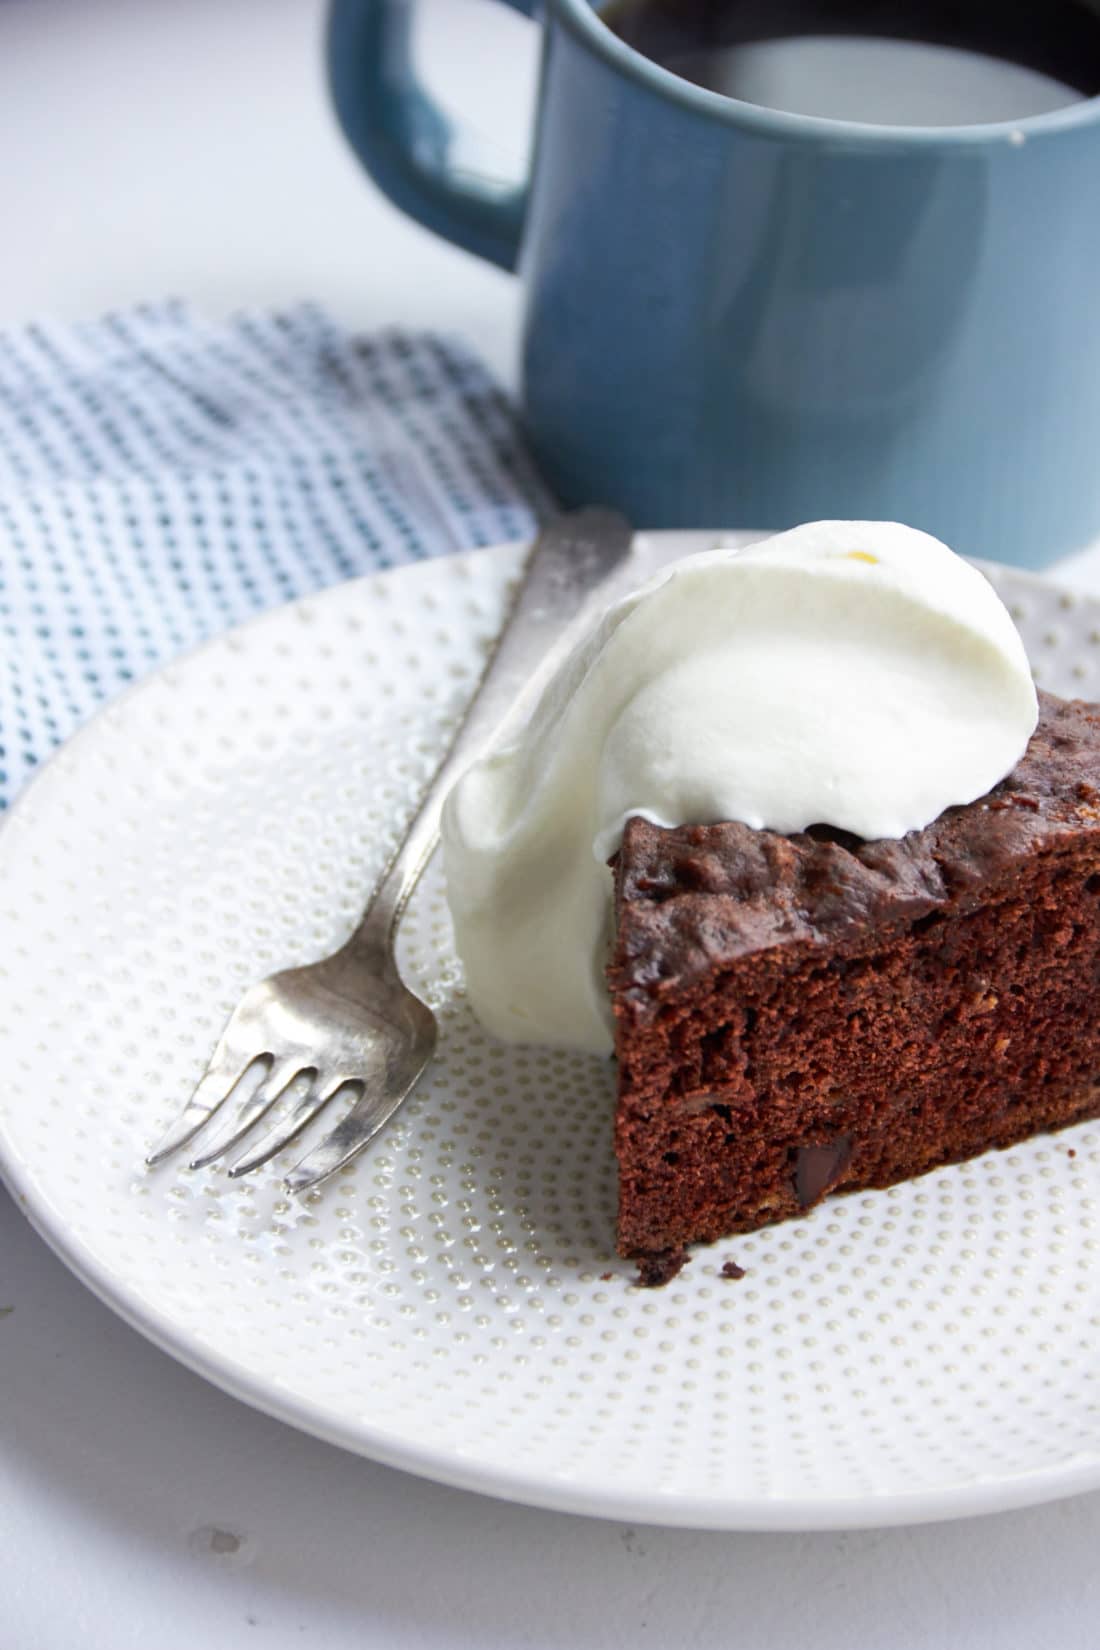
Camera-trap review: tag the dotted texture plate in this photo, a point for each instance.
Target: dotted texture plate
(453, 1304)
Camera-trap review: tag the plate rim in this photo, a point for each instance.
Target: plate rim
(711, 1511)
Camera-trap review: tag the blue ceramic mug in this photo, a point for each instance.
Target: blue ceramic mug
(741, 317)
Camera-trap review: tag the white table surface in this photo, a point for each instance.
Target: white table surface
(185, 146)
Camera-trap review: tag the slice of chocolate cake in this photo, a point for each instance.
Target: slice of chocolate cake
(798, 1015)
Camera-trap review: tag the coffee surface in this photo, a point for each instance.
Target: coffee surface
(895, 62)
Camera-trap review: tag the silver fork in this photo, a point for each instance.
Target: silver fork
(350, 1019)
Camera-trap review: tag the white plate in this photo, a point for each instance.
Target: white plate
(453, 1304)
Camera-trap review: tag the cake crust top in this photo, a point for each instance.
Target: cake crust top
(703, 897)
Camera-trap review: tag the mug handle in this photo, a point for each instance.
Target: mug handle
(403, 137)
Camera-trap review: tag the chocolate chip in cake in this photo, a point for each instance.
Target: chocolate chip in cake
(817, 1169)
(658, 1269)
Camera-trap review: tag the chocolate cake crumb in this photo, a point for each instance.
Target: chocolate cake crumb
(1070, 1152)
(606, 1277)
(813, 1013)
(660, 1268)
(731, 1269)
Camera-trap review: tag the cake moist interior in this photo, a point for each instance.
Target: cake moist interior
(797, 1015)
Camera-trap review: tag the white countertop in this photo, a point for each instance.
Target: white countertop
(118, 1469)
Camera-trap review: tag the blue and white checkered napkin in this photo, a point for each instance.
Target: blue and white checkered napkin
(163, 477)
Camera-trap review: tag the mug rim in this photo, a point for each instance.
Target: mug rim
(585, 22)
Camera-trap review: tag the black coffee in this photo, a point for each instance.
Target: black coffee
(892, 62)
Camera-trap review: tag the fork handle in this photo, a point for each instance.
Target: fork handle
(572, 556)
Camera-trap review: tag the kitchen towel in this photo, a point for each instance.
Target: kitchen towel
(163, 477)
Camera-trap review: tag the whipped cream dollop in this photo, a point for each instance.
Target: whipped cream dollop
(847, 673)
